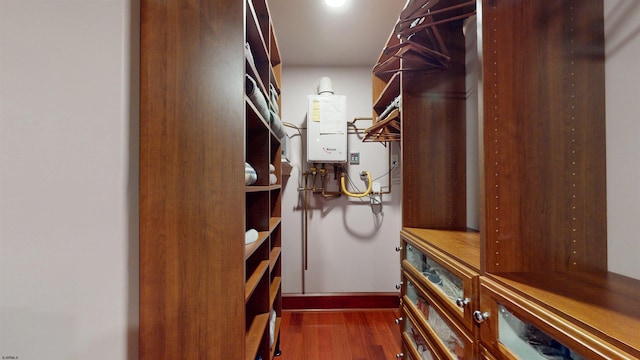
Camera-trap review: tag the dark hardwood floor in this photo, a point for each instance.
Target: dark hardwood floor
(339, 335)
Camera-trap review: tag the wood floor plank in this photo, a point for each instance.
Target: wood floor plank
(339, 335)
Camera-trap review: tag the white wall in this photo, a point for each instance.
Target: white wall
(622, 31)
(350, 249)
(68, 179)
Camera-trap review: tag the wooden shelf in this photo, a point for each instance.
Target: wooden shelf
(258, 188)
(254, 335)
(390, 91)
(254, 280)
(254, 116)
(249, 249)
(274, 221)
(387, 65)
(255, 35)
(273, 348)
(273, 290)
(263, 200)
(275, 255)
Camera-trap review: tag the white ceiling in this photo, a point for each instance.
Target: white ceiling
(310, 33)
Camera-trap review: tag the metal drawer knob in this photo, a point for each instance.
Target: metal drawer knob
(479, 316)
(399, 285)
(398, 320)
(398, 248)
(399, 356)
(462, 302)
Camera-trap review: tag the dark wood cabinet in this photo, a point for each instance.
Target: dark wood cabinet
(537, 256)
(204, 293)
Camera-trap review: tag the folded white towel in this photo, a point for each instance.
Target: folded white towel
(276, 126)
(272, 169)
(273, 97)
(250, 175)
(257, 98)
(250, 236)
(273, 179)
(248, 54)
(272, 327)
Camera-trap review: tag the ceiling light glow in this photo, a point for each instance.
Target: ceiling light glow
(335, 3)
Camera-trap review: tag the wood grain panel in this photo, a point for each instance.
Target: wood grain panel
(544, 146)
(192, 137)
(434, 146)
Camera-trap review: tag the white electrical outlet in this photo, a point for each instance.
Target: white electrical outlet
(376, 197)
(375, 187)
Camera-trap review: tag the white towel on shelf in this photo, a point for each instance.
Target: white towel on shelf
(273, 179)
(272, 327)
(250, 174)
(250, 236)
(273, 98)
(257, 98)
(276, 126)
(272, 169)
(248, 54)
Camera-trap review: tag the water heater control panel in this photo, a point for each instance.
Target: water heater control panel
(327, 128)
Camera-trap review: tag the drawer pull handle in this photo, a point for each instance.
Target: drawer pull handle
(479, 316)
(399, 285)
(462, 302)
(399, 356)
(398, 320)
(398, 248)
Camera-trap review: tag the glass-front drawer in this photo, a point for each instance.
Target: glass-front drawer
(451, 339)
(528, 342)
(407, 351)
(442, 279)
(454, 285)
(415, 341)
(515, 327)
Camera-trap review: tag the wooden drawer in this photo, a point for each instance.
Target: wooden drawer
(415, 344)
(484, 354)
(446, 336)
(518, 327)
(452, 283)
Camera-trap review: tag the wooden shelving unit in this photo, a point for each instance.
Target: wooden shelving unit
(263, 199)
(539, 252)
(204, 294)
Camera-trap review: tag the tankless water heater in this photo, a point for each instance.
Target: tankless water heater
(327, 128)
